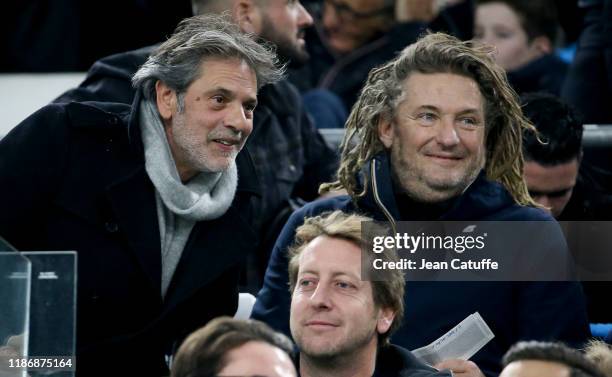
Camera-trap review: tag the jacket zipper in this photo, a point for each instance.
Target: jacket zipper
(379, 202)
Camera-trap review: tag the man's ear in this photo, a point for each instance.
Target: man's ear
(541, 45)
(166, 100)
(247, 14)
(386, 132)
(385, 320)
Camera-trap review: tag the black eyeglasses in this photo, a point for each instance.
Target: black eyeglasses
(346, 13)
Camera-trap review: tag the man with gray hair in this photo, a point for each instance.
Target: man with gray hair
(150, 196)
(290, 156)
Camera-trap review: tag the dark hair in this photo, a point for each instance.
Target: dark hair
(204, 352)
(557, 352)
(558, 128)
(538, 17)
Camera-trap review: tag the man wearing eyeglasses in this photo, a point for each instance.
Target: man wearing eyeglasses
(557, 178)
(353, 36)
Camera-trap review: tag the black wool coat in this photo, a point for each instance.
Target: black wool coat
(73, 178)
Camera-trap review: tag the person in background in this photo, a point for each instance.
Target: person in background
(231, 347)
(547, 359)
(350, 37)
(524, 33)
(559, 179)
(341, 319)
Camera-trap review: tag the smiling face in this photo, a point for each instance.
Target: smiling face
(437, 136)
(283, 23)
(498, 25)
(216, 119)
(257, 358)
(332, 311)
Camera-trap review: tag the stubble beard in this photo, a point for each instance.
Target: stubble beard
(333, 355)
(413, 180)
(195, 154)
(288, 50)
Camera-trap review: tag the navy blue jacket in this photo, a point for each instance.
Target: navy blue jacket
(545, 74)
(513, 310)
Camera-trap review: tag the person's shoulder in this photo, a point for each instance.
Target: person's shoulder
(97, 114)
(55, 125)
(405, 363)
(51, 119)
(324, 205)
(491, 201)
(79, 114)
(126, 62)
(517, 212)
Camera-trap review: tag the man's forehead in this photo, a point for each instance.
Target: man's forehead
(442, 89)
(332, 255)
(224, 61)
(218, 68)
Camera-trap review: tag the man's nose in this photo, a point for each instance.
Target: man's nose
(543, 200)
(446, 133)
(487, 38)
(240, 120)
(321, 297)
(304, 18)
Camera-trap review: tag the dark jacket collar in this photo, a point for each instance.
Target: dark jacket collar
(481, 199)
(395, 361)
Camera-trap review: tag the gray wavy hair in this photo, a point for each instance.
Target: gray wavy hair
(177, 61)
(438, 53)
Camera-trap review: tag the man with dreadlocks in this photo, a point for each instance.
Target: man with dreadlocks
(436, 135)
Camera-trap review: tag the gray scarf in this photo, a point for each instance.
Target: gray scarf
(206, 196)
